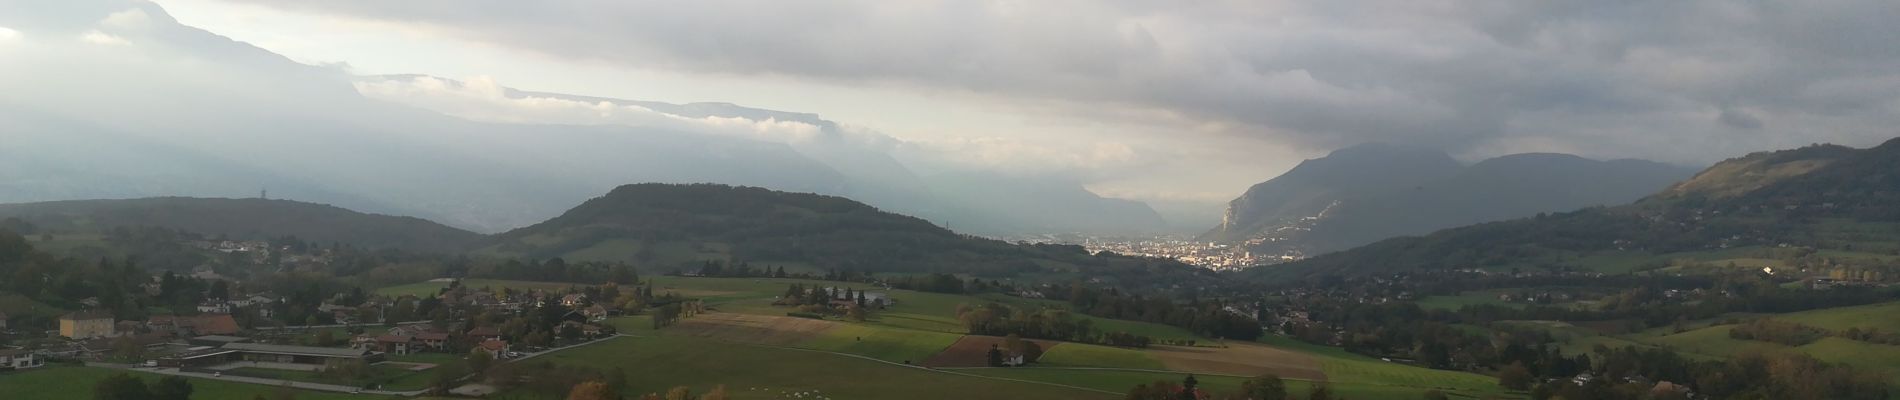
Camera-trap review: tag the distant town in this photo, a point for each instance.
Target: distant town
(1209, 255)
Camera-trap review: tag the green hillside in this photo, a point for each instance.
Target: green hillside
(242, 219)
(1822, 206)
(672, 227)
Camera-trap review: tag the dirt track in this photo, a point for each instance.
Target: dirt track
(1245, 359)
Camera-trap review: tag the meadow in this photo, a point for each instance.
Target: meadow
(742, 349)
(658, 363)
(57, 382)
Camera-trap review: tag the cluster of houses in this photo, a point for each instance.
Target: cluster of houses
(425, 338)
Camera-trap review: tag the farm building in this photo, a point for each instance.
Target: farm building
(234, 352)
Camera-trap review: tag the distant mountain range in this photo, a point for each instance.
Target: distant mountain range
(305, 132)
(656, 227)
(1823, 198)
(1366, 193)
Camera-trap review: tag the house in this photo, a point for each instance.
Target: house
(434, 340)
(495, 347)
(483, 334)
(86, 325)
(396, 344)
(197, 325)
(596, 312)
(573, 300)
(214, 307)
(15, 359)
(254, 300)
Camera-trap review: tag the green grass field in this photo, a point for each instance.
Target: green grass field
(1122, 381)
(1715, 342)
(75, 383)
(1470, 298)
(895, 345)
(655, 364)
(1883, 316)
(1346, 368)
(1087, 355)
(923, 324)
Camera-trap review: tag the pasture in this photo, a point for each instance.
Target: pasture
(59, 382)
(1471, 298)
(658, 363)
(1344, 368)
(1241, 359)
(745, 335)
(1088, 355)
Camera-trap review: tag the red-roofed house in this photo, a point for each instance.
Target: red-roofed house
(495, 348)
(484, 333)
(434, 340)
(392, 344)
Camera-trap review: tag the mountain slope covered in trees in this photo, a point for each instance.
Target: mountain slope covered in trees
(1366, 193)
(244, 219)
(1827, 205)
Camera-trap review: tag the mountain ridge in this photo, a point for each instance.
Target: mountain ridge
(1417, 197)
(1840, 206)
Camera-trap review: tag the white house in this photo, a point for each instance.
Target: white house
(214, 308)
(17, 359)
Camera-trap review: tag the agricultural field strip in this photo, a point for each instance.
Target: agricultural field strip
(1162, 371)
(936, 370)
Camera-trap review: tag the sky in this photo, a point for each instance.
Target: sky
(1164, 101)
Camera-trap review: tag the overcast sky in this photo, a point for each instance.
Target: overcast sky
(1161, 100)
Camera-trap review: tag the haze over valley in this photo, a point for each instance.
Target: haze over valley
(853, 199)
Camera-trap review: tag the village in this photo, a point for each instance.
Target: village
(377, 342)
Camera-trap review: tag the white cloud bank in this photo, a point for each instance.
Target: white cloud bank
(1685, 81)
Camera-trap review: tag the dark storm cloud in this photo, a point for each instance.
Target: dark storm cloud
(1661, 79)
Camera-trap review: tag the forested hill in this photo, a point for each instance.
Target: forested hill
(242, 219)
(670, 226)
(1362, 194)
(1819, 198)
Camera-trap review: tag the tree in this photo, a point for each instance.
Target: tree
(995, 356)
(219, 291)
(592, 390)
(618, 380)
(718, 393)
(120, 387)
(1515, 377)
(1264, 387)
(854, 313)
(680, 393)
(1187, 388)
(1320, 391)
(479, 360)
(171, 387)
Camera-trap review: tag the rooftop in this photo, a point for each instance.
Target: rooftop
(221, 338)
(299, 350)
(87, 315)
